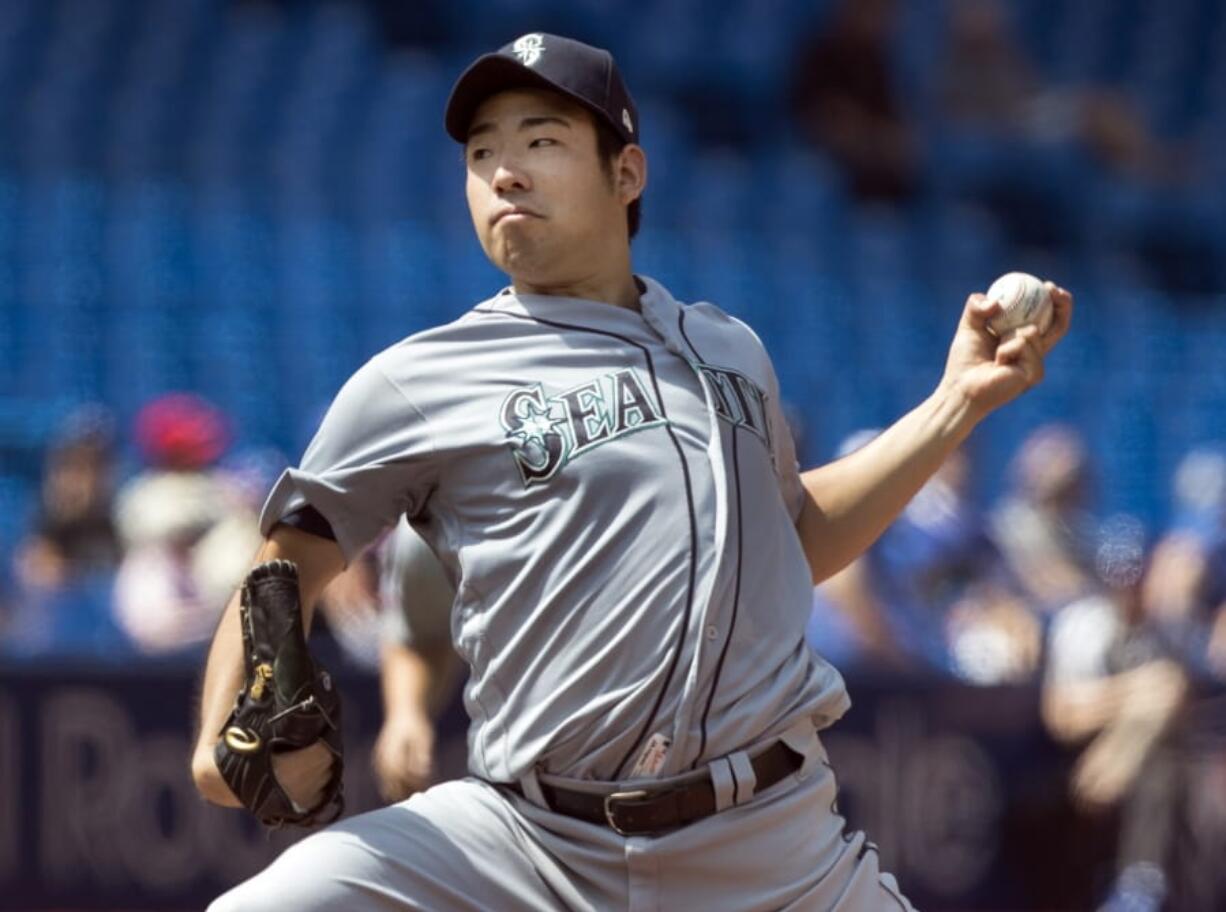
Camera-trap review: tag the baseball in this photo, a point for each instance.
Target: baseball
(1025, 300)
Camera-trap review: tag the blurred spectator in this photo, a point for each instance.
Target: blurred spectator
(1063, 164)
(985, 79)
(846, 622)
(73, 532)
(933, 593)
(1042, 526)
(188, 530)
(420, 669)
(989, 84)
(62, 568)
(244, 477)
(1111, 686)
(349, 611)
(845, 101)
(1185, 590)
(844, 627)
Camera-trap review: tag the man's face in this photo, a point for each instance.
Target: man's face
(542, 201)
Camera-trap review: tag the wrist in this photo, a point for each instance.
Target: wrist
(414, 716)
(208, 779)
(955, 412)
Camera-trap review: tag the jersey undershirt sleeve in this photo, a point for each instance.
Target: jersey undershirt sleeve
(370, 462)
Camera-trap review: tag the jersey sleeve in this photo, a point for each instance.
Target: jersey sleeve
(783, 445)
(370, 462)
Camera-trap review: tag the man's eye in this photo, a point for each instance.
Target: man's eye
(478, 154)
(542, 141)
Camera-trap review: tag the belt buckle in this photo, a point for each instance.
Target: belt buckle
(610, 807)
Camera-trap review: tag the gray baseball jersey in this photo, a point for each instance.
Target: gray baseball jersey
(613, 494)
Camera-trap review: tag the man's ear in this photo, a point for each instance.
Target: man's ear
(630, 173)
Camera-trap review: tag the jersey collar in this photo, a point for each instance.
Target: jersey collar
(658, 309)
(662, 313)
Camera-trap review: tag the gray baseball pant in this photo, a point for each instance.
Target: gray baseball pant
(470, 845)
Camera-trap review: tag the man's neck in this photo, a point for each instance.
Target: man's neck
(620, 290)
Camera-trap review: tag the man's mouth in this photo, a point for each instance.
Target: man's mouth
(514, 213)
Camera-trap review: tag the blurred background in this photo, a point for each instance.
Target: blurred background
(213, 211)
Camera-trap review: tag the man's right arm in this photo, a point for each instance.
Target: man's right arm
(319, 560)
(416, 681)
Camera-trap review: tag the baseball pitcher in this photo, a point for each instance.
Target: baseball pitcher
(606, 477)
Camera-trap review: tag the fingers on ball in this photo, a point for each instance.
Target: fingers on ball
(1030, 357)
(984, 305)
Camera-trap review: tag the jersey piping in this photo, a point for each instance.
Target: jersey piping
(736, 590)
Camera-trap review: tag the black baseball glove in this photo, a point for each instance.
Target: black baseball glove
(287, 703)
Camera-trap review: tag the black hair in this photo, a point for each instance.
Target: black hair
(608, 145)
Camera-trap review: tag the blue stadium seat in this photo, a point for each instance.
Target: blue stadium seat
(1085, 42)
(239, 103)
(469, 278)
(186, 181)
(17, 505)
(818, 326)
(880, 243)
(670, 154)
(961, 245)
(799, 191)
(663, 252)
(752, 40)
(23, 35)
(730, 272)
(719, 191)
(919, 41)
(654, 57)
(402, 158)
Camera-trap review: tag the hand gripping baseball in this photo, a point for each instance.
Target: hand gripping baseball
(286, 704)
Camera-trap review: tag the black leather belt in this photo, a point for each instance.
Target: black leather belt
(644, 812)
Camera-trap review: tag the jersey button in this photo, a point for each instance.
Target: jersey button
(712, 631)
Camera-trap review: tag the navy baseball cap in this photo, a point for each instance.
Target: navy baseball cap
(539, 60)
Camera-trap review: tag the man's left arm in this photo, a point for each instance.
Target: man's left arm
(850, 502)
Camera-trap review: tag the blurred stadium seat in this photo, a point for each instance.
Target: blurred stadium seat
(246, 199)
(201, 195)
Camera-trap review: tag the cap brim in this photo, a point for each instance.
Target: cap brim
(488, 75)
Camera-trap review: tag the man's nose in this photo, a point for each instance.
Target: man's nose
(508, 176)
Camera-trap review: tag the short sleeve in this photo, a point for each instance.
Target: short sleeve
(787, 466)
(783, 445)
(370, 462)
(1080, 639)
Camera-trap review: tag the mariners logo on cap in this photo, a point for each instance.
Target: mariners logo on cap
(529, 48)
(627, 121)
